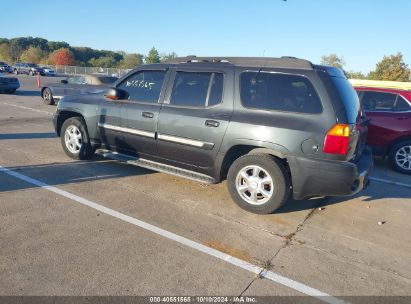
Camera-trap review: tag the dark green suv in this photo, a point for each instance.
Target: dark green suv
(270, 126)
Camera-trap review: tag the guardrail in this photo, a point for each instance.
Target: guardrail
(76, 70)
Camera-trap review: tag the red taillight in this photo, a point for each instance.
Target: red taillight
(112, 97)
(337, 140)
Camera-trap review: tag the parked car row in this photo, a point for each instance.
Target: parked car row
(26, 68)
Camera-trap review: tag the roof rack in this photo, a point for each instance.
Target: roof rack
(269, 62)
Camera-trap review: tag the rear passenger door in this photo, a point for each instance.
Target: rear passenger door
(193, 118)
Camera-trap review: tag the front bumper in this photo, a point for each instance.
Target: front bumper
(55, 120)
(312, 177)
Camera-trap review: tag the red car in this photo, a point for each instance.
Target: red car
(389, 131)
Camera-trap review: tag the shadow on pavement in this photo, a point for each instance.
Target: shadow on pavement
(27, 135)
(372, 193)
(27, 93)
(69, 173)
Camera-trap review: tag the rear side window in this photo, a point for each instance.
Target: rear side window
(197, 89)
(144, 86)
(271, 91)
(378, 101)
(402, 104)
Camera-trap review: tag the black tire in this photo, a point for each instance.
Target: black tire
(86, 150)
(280, 187)
(401, 163)
(47, 96)
(11, 91)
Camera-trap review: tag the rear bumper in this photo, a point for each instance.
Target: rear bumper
(311, 177)
(9, 86)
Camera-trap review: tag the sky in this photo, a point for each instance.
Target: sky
(360, 31)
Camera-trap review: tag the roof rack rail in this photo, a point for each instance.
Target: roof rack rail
(269, 62)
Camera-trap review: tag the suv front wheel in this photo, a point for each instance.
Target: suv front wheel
(75, 139)
(258, 183)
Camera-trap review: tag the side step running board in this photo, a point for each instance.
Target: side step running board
(148, 164)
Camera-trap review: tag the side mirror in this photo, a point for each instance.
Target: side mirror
(116, 94)
(64, 81)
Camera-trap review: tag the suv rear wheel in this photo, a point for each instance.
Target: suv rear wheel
(75, 139)
(258, 183)
(400, 156)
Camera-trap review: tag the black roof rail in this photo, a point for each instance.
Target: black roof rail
(269, 62)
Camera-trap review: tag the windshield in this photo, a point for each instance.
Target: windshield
(32, 65)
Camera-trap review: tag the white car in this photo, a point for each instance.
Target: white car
(49, 72)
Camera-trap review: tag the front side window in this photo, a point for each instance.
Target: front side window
(197, 89)
(282, 92)
(378, 101)
(144, 86)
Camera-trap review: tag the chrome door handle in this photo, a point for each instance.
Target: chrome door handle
(212, 123)
(147, 114)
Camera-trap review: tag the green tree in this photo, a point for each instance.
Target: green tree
(169, 56)
(130, 61)
(32, 54)
(56, 45)
(333, 60)
(355, 75)
(5, 53)
(391, 68)
(153, 56)
(103, 62)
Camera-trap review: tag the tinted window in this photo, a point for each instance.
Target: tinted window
(378, 101)
(402, 104)
(349, 98)
(197, 89)
(281, 92)
(144, 86)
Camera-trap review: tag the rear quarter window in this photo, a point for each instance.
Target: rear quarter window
(348, 97)
(279, 92)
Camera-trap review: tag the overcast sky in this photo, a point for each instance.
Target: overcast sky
(361, 31)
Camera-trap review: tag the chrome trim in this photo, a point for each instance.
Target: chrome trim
(184, 141)
(58, 97)
(127, 130)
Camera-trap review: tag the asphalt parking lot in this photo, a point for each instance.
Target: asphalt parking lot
(57, 239)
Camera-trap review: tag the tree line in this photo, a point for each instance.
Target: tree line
(391, 67)
(41, 51)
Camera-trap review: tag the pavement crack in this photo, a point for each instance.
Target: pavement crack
(289, 237)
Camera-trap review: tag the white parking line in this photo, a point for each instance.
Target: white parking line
(387, 181)
(26, 108)
(182, 240)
